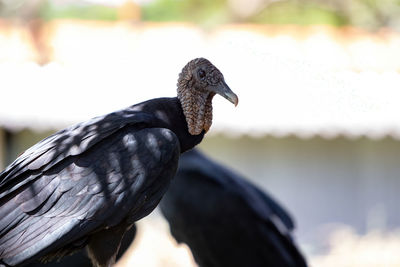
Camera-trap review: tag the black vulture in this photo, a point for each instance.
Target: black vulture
(224, 219)
(86, 185)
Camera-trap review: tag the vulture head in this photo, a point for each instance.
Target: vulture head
(198, 83)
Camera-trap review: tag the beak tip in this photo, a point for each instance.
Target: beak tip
(235, 100)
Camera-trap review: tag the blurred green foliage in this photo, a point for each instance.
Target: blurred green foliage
(197, 11)
(370, 14)
(50, 11)
(293, 12)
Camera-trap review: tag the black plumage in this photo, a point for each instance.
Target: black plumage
(86, 185)
(225, 220)
(81, 259)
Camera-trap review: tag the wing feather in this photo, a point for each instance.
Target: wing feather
(72, 141)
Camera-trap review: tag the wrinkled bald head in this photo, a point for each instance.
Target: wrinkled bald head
(198, 82)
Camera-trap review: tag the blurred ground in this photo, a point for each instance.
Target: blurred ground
(155, 247)
(348, 249)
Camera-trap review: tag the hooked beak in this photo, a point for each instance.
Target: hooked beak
(223, 90)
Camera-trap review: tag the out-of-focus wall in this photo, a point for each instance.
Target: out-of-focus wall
(322, 182)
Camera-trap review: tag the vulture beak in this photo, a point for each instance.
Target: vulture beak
(223, 90)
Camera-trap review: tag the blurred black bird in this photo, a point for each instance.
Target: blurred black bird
(225, 220)
(86, 185)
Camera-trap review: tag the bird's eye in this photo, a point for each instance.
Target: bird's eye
(202, 74)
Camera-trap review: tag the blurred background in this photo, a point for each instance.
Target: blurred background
(317, 125)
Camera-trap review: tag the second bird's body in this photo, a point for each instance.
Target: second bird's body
(225, 220)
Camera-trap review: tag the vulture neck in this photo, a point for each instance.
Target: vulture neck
(169, 114)
(197, 108)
